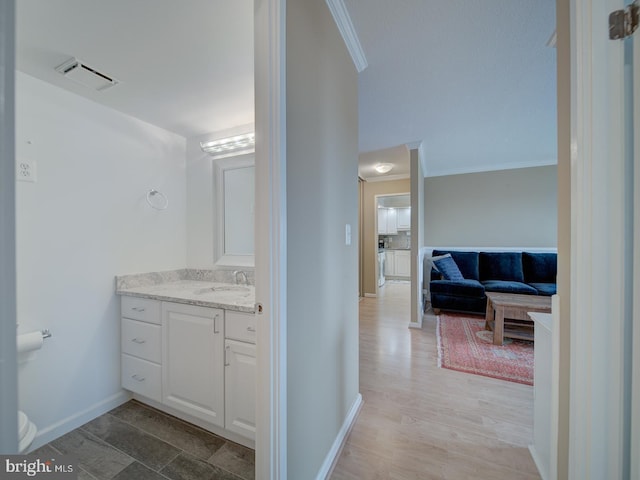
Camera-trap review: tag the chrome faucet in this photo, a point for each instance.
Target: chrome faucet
(243, 277)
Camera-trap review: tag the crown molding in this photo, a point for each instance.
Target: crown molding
(387, 178)
(491, 168)
(348, 32)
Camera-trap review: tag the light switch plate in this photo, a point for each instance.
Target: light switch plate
(26, 171)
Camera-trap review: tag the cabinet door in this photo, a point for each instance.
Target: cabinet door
(382, 220)
(240, 388)
(404, 218)
(389, 262)
(403, 264)
(392, 221)
(192, 361)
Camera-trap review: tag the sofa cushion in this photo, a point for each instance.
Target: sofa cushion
(467, 262)
(547, 289)
(540, 267)
(463, 288)
(508, 287)
(506, 266)
(447, 267)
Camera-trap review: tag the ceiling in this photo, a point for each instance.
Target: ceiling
(185, 66)
(473, 80)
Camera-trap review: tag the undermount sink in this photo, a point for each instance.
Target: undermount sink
(223, 288)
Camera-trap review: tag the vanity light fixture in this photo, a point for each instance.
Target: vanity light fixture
(227, 147)
(383, 167)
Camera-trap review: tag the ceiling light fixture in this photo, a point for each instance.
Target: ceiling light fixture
(227, 147)
(383, 167)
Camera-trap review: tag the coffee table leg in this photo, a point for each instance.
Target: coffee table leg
(489, 315)
(498, 327)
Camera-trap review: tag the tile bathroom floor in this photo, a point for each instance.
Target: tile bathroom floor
(136, 442)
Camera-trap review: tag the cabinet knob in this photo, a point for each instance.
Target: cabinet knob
(138, 340)
(137, 309)
(138, 378)
(251, 329)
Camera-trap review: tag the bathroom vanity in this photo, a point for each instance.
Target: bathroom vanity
(188, 347)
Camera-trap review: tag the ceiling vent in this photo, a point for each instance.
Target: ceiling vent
(85, 75)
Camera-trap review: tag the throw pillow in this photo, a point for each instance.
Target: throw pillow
(432, 260)
(448, 267)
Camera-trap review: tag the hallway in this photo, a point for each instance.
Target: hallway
(419, 421)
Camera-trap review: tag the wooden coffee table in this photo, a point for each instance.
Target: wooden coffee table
(507, 314)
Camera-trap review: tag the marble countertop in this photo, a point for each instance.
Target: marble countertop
(203, 293)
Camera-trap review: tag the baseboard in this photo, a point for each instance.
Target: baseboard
(536, 459)
(72, 422)
(415, 324)
(370, 295)
(334, 453)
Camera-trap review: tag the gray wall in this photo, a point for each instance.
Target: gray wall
(322, 196)
(506, 208)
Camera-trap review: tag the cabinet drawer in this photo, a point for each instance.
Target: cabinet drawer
(141, 376)
(141, 339)
(141, 309)
(240, 326)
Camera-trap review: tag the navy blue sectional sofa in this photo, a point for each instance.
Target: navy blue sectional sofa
(508, 272)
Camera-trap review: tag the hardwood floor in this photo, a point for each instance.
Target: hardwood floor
(419, 421)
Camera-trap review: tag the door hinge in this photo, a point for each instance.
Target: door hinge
(622, 23)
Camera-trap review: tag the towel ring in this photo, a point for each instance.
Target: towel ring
(157, 199)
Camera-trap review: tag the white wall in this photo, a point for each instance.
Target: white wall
(83, 222)
(506, 208)
(322, 273)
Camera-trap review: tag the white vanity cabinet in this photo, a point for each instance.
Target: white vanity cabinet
(240, 374)
(192, 359)
(140, 346)
(198, 363)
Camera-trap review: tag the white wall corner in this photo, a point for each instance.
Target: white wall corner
(348, 32)
(422, 158)
(334, 453)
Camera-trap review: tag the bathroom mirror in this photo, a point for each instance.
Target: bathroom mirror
(235, 211)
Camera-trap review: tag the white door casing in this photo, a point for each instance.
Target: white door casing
(270, 231)
(635, 393)
(600, 232)
(8, 364)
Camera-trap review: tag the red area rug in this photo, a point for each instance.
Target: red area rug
(464, 345)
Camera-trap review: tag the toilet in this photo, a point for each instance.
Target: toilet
(26, 432)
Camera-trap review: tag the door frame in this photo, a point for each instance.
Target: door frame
(271, 228)
(8, 361)
(599, 356)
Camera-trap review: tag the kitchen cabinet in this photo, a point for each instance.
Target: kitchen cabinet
(192, 359)
(398, 263)
(240, 374)
(387, 221)
(390, 263)
(404, 218)
(382, 221)
(402, 263)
